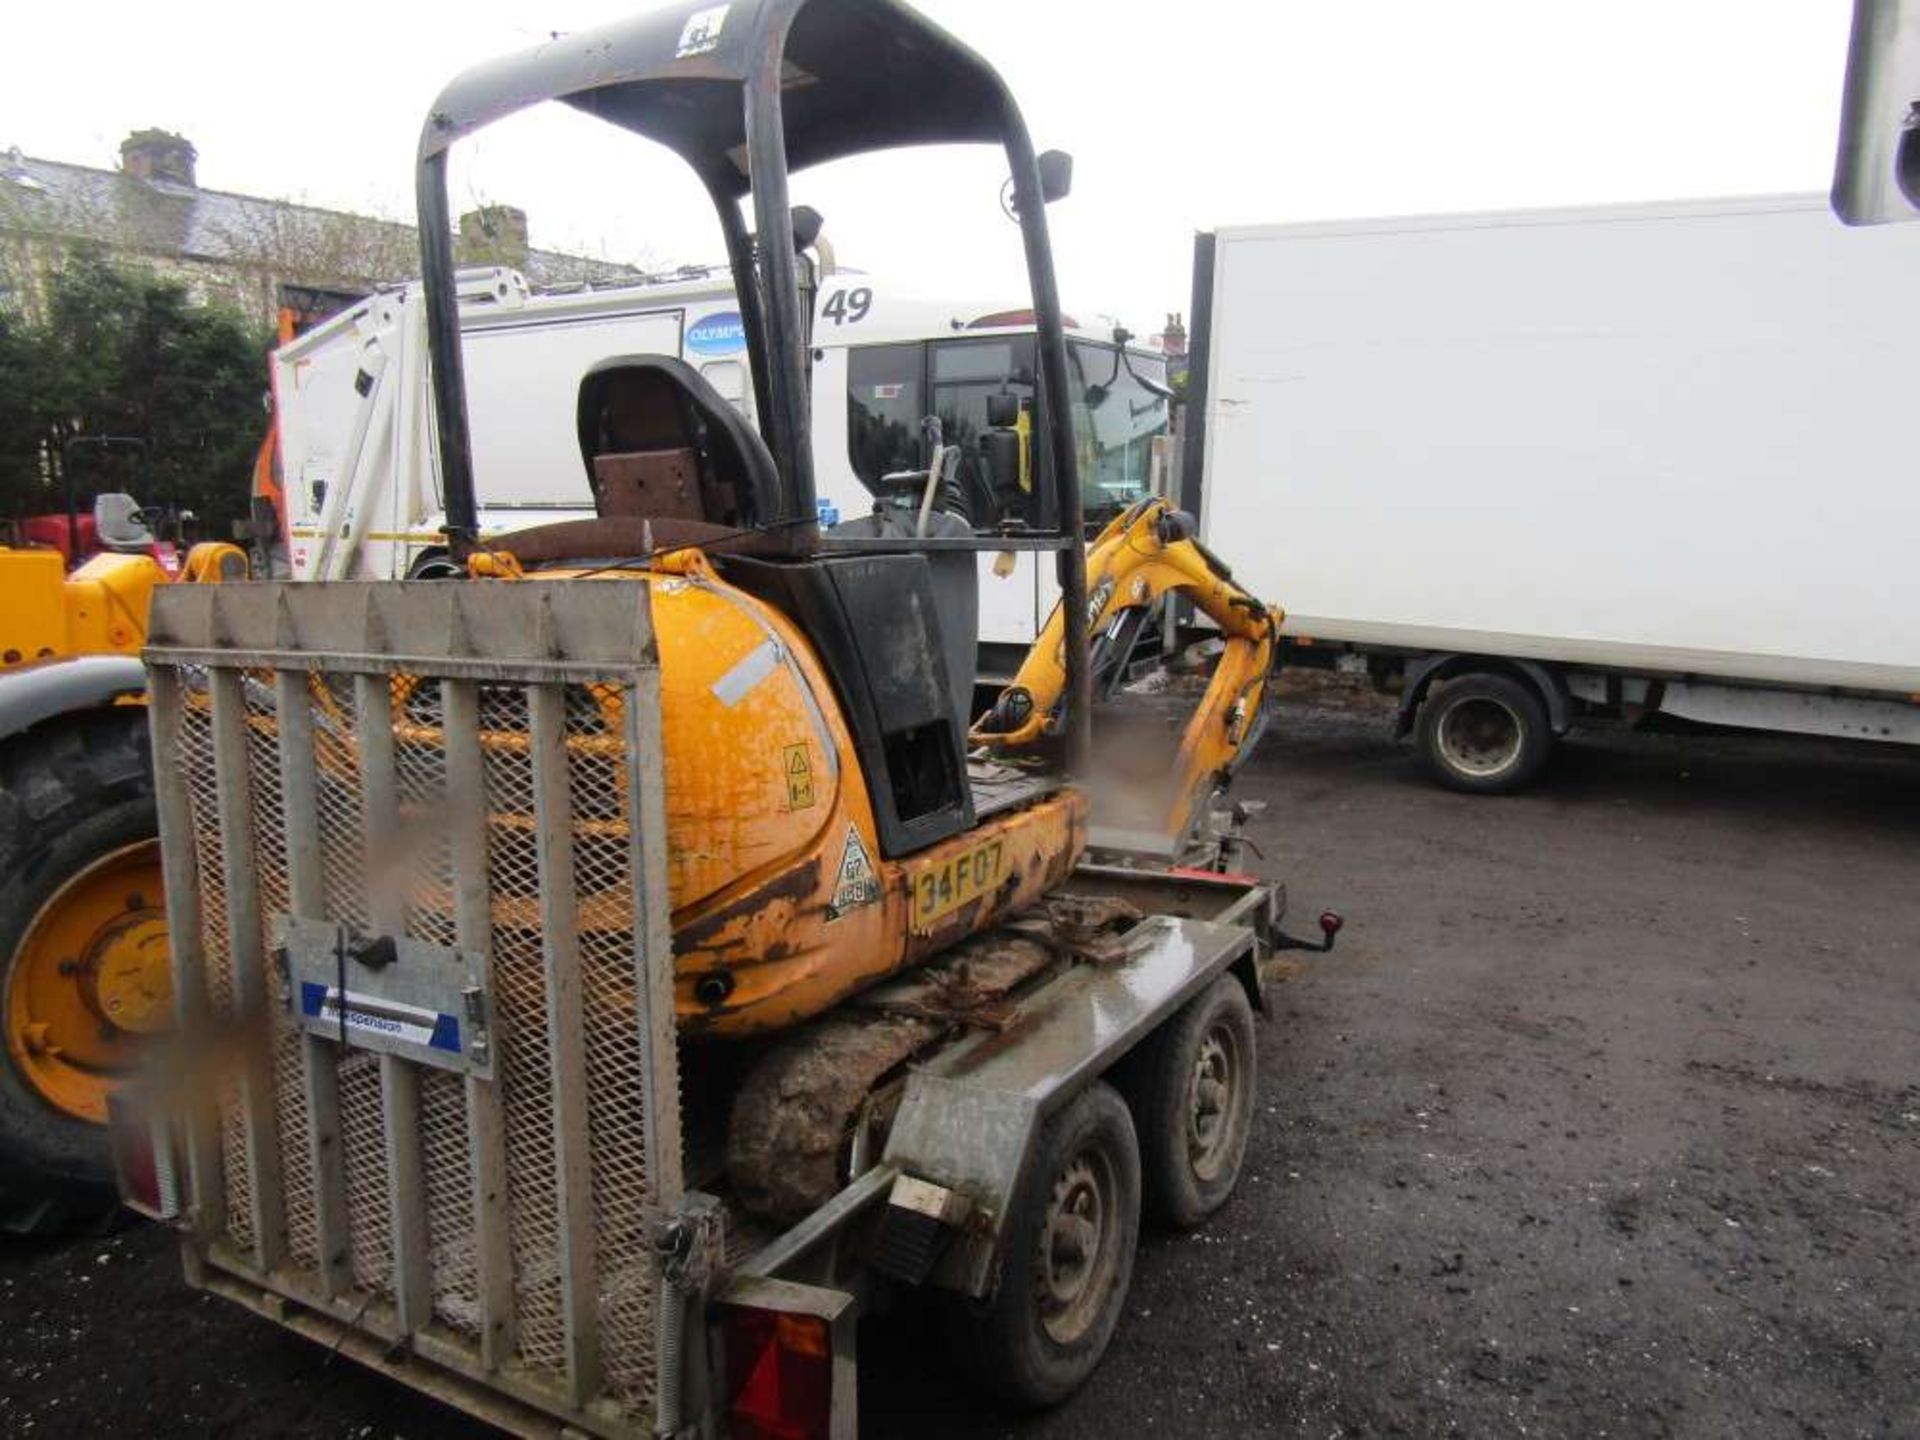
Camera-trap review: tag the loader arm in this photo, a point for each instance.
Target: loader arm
(1143, 555)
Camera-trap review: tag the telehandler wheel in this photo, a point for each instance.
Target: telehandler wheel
(83, 959)
(1071, 1234)
(1193, 1083)
(1484, 733)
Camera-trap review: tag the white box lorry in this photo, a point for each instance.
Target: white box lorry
(1538, 467)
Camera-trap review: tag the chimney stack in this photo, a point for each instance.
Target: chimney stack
(494, 234)
(1173, 339)
(158, 155)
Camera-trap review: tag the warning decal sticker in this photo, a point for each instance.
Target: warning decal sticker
(858, 883)
(799, 771)
(702, 32)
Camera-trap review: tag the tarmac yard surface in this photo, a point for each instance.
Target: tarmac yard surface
(1604, 1119)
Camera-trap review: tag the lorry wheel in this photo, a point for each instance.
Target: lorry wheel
(1193, 1088)
(1484, 733)
(1071, 1234)
(83, 959)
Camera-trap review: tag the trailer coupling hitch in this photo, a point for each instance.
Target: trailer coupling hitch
(1331, 923)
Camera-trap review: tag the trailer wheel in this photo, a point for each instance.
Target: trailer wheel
(1071, 1234)
(83, 959)
(1193, 1088)
(1484, 733)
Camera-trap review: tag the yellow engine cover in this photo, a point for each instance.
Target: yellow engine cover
(782, 904)
(100, 609)
(46, 614)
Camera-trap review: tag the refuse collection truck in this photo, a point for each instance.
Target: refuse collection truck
(1536, 468)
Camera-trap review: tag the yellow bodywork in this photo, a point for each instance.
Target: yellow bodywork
(1140, 557)
(100, 609)
(782, 902)
(90, 977)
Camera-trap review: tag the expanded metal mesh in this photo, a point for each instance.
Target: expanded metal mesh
(197, 760)
(424, 850)
(270, 865)
(520, 1007)
(604, 889)
(339, 796)
(416, 861)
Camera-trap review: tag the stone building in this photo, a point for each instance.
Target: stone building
(254, 252)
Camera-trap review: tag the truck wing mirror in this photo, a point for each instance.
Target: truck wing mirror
(1000, 458)
(1003, 411)
(1056, 175)
(807, 225)
(1876, 174)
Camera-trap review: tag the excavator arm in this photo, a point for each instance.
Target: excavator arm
(1143, 555)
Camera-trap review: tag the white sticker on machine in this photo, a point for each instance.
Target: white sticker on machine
(858, 883)
(702, 32)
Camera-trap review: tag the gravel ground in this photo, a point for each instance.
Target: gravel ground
(1603, 1120)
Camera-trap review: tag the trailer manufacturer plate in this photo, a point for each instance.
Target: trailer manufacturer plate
(425, 1003)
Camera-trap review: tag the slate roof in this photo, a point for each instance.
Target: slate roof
(161, 217)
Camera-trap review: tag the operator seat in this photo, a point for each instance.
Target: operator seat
(116, 520)
(668, 458)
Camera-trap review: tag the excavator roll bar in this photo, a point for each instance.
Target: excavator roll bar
(744, 92)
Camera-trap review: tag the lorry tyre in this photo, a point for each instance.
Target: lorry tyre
(83, 958)
(1484, 733)
(1071, 1233)
(1193, 1083)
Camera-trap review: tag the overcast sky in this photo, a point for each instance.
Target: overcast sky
(1180, 117)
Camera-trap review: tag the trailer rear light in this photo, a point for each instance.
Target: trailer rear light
(779, 1374)
(145, 1164)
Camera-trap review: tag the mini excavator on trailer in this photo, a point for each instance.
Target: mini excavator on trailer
(603, 977)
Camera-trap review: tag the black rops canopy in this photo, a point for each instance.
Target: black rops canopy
(859, 75)
(745, 92)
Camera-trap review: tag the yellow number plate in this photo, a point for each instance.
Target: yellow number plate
(941, 889)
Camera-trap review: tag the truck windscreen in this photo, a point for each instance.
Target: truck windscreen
(1116, 419)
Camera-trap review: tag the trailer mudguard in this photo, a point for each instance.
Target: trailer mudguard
(968, 1118)
(37, 693)
(1421, 675)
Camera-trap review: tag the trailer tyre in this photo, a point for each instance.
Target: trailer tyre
(1071, 1234)
(79, 912)
(1484, 733)
(1193, 1084)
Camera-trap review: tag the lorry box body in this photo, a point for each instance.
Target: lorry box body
(1673, 438)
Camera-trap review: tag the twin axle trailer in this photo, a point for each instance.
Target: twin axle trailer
(434, 1111)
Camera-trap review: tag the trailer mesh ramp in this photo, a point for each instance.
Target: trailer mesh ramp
(414, 840)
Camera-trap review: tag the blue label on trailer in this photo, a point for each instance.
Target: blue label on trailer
(369, 1014)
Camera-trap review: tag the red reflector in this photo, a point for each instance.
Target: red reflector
(143, 1162)
(779, 1375)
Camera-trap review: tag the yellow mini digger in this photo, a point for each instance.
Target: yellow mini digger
(604, 976)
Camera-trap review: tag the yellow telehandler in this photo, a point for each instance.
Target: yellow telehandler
(83, 960)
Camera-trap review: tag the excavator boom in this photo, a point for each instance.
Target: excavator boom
(1145, 554)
